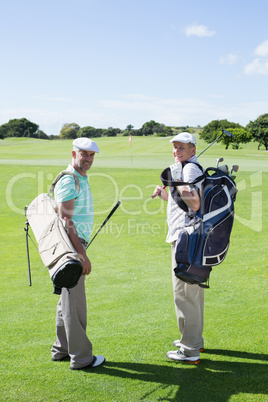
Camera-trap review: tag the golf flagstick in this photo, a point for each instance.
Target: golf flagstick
(106, 220)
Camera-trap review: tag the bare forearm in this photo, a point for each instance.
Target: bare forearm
(73, 236)
(191, 198)
(66, 212)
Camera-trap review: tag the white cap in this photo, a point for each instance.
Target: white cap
(184, 137)
(86, 144)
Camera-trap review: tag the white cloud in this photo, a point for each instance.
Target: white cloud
(230, 59)
(262, 49)
(137, 109)
(259, 66)
(198, 30)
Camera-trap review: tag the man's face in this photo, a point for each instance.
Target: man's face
(183, 152)
(83, 160)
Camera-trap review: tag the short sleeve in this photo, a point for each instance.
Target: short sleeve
(190, 173)
(65, 189)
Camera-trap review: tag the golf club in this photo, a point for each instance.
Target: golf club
(234, 169)
(106, 220)
(223, 132)
(27, 249)
(218, 161)
(224, 168)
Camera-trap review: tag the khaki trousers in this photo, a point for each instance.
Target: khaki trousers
(189, 307)
(71, 322)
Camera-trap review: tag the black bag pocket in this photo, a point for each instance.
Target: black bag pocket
(181, 254)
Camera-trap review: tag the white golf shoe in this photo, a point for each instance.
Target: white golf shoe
(178, 356)
(177, 344)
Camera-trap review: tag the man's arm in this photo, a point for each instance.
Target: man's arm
(66, 210)
(191, 198)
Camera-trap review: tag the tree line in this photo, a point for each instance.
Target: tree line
(256, 130)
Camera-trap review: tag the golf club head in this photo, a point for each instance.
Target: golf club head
(235, 168)
(224, 168)
(218, 161)
(227, 133)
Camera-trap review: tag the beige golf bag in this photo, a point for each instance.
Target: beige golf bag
(54, 246)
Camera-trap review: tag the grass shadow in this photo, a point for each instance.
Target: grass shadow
(208, 381)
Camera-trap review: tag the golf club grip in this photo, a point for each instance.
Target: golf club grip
(111, 213)
(28, 255)
(106, 220)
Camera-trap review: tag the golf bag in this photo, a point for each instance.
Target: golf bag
(54, 246)
(204, 241)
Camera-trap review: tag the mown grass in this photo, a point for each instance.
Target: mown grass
(131, 317)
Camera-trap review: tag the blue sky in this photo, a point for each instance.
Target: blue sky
(112, 63)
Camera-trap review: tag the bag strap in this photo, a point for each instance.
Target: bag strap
(59, 176)
(167, 181)
(166, 177)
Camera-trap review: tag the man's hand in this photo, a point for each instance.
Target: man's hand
(86, 265)
(161, 192)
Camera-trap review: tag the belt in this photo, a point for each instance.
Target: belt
(83, 242)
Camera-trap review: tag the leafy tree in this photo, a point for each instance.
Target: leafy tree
(240, 135)
(151, 127)
(259, 130)
(147, 130)
(129, 130)
(213, 129)
(18, 128)
(90, 132)
(181, 129)
(163, 131)
(168, 131)
(69, 131)
(137, 132)
(159, 128)
(42, 135)
(53, 137)
(112, 132)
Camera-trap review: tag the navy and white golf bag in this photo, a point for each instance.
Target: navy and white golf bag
(204, 242)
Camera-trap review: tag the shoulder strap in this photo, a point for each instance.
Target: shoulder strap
(195, 163)
(166, 180)
(166, 177)
(59, 176)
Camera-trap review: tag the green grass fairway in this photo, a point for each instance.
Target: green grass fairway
(131, 317)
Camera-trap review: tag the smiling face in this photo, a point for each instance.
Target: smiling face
(82, 160)
(183, 152)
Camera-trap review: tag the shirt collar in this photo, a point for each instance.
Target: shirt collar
(193, 159)
(72, 169)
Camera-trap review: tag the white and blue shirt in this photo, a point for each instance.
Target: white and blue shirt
(83, 214)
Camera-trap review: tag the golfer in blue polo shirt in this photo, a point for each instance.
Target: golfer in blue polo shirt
(77, 209)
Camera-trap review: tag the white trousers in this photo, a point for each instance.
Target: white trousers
(189, 307)
(71, 322)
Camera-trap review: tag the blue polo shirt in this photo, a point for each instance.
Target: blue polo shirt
(83, 215)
